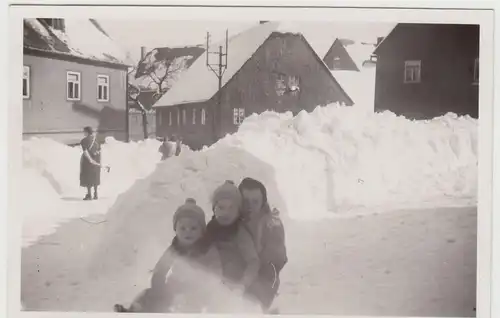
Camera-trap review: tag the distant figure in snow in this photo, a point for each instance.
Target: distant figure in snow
(178, 145)
(165, 149)
(268, 233)
(90, 163)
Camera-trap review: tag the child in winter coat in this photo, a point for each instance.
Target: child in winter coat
(184, 274)
(240, 262)
(268, 233)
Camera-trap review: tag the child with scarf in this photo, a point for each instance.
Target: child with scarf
(189, 260)
(240, 262)
(268, 233)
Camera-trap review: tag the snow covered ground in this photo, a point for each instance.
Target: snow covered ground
(51, 177)
(338, 162)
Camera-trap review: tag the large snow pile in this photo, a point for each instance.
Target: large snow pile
(315, 165)
(339, 158)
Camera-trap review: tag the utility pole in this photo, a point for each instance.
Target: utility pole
(218, 69)
(127, 110)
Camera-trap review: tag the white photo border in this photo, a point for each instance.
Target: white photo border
(482, 17)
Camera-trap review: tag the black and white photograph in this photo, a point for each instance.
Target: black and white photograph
(274, 164)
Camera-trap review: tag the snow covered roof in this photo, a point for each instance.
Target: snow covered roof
(199, 84)
(83, 38)
(158, 62)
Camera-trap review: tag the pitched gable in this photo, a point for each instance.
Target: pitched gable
(199, 83)
(337, 58)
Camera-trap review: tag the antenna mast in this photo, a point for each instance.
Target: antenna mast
(218, 69)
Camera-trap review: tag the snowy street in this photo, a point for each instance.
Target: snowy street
(419, 263)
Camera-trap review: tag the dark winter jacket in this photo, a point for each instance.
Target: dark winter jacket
(268, 234)
(239, 258)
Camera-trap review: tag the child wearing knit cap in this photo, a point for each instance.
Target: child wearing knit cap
(189, 260)
(240, 262)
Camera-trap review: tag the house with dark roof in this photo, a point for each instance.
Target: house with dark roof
(428, 70)
(269, 67)
(337, 58)
(74, 75)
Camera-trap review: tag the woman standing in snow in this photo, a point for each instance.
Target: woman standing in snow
(90, 163)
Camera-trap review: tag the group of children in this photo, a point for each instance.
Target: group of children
(241, 248)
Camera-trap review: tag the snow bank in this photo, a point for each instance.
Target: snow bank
(335, 161)
(50, 180)
(60, 164)
(339, 158)
(327, 163)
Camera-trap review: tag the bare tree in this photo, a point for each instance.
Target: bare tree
(158, 75)
(134, 93)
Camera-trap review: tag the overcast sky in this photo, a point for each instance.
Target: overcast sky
(132, 34)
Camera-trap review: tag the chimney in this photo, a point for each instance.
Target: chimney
(379, 39)
(262, 22)
(143, 52)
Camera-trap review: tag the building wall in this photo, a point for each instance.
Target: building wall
(195, 135)
(254, 89)
(447, 54)
(48, 113)
(135, 125)
(344, 62)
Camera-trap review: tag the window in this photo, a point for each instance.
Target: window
(336, 62)
(287, 85)
(293, 85)
(170, 118)
(26, 82)
(238, 116)
(203, 116)
(412, 71)
(183, 116)
(73, 86)
(178, 117)
(280, 85)
(476, 71)
(103, 88)
(194, 116)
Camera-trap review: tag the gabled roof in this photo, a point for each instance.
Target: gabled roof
(158, 61)
(199, 84)
(385, 38)
(83, 38)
